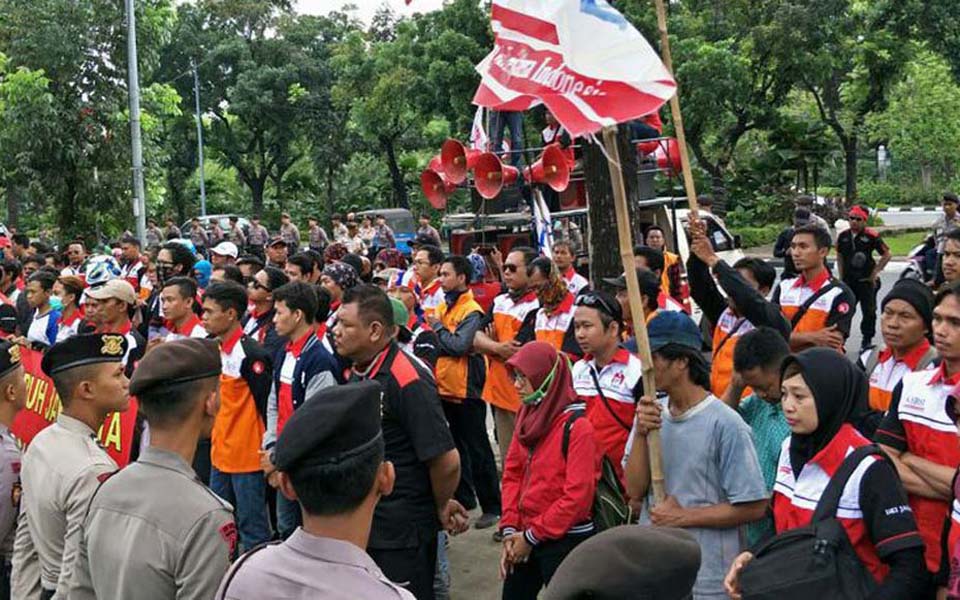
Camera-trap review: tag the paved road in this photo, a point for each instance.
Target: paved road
(889, 276)
(909, 219)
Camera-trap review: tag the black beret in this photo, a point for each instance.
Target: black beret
(630, 561)
(85, 349)
(334, 424)
(9, 357)
(176, 362)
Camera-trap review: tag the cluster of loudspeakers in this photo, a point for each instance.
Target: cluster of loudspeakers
(453, 165)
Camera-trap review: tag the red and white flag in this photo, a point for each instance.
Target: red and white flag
(581, 58)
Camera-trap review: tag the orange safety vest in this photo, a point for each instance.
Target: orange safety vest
(453, 372)
(508, 316)
(727, 332)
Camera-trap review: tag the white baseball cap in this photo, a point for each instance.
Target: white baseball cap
(226, 249)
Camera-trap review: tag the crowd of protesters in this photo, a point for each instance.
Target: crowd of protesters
(251, 353)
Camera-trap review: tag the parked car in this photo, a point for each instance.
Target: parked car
(402, 223)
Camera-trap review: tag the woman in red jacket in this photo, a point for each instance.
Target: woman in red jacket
(547, 492)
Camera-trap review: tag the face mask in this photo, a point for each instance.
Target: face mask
(56, 302)
(163, 274)
(538, 395)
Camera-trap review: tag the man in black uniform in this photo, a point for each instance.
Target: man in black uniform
(403, 541)
(858, 269)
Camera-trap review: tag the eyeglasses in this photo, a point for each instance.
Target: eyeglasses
(258, 286)
(164, 263)
(594, 301)
(508, 268)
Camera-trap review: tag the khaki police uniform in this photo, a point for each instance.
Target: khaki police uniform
(154, 531)
(309, 567)
(9, 491)
(62, 469)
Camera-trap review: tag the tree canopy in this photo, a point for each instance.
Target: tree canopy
(325, 113)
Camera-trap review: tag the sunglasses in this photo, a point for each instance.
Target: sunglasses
(511, 268)
(258, 286)
(855, 219)
(594, 301)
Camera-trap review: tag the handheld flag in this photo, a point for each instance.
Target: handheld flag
(581, 58)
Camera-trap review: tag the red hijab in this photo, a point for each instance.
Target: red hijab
(535, 360)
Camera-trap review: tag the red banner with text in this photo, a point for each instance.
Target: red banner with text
(43, 406)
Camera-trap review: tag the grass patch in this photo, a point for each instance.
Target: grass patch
(902, 243)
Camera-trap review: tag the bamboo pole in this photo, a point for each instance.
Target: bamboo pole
(675, 112)
(625, 236)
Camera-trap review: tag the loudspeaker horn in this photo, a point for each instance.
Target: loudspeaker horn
(551, 168)
(457, 160)
(490, 175)
(436, 187)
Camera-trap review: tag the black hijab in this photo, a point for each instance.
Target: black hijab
(840, 393)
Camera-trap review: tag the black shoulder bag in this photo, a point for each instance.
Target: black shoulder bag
(816, 561)
(806, 305)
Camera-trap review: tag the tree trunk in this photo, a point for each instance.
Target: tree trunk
(13, 205)
(256, 192)
(850, 167)
(926, 176)
(719, 193)
(601, 214)
(331, 199)
(396, 175)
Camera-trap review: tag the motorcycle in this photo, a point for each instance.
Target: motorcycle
(922, 261)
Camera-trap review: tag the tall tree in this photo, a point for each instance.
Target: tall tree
(81, 49)
(851, 60)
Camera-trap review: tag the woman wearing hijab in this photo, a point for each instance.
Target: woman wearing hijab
(823, 394)
(547, 493)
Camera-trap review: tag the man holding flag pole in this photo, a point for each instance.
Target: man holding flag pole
(593, 70)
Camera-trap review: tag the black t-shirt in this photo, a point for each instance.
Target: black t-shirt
(415, 432)
(856, 253)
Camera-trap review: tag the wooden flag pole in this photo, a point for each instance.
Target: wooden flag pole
(636, 306)
(675, 112)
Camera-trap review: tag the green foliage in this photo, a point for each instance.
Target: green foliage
(324, 114)
(751, 237)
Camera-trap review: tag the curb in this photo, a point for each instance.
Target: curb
(913, 209)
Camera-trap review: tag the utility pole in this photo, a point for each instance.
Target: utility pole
(196, 95)
(139, 197)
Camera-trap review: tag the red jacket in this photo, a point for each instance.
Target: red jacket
(545, 495)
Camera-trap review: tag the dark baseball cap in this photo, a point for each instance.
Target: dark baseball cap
(673, 327)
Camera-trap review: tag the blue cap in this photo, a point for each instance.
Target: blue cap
(673, 327)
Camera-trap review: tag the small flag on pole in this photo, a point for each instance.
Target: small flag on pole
(478, 136)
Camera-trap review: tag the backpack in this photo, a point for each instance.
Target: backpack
(816, 561)
(610, 507)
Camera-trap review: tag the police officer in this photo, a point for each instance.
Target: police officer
(13, 396)
(154, 530)
(330, 457)
(64, 464)
(642, 563)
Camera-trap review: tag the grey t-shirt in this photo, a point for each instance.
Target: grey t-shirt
(709, 458)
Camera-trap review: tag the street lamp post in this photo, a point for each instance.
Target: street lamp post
(139, 197)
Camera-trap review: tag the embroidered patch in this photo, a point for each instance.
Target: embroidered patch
(843, 308)
(112, 345)
(228, 531)
(258, 367)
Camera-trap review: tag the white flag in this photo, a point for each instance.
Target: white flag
(478, 137)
